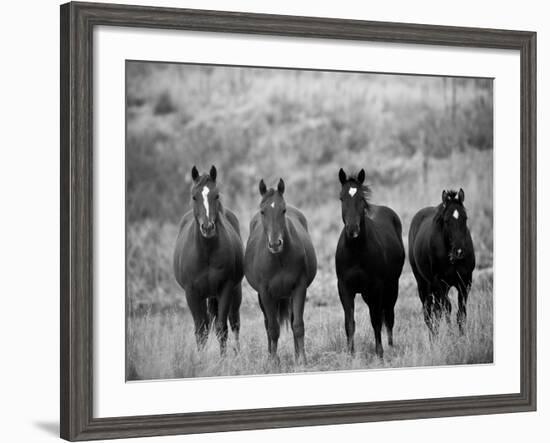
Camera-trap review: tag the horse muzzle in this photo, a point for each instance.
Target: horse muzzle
(456, 255)
(275, 247)
(353, 231)
(208, 229)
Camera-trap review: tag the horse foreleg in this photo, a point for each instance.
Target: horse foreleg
(463, 291)
(348, 303)
(389, 305)
(272, 325)
(265, 323)
(442, 304)
(224, 303)
(427, 309)
(197, 306)
(298, 302)
(374, 302)
(234, 315)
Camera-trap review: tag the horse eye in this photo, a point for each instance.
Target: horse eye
(194, 198)
(262, 212)
(284, 211)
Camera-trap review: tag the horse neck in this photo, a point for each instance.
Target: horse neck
(209, 244)
(365, 232)
(437, 233)
(286, 231)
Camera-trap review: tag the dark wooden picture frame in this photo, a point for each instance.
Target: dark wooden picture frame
(77, 24)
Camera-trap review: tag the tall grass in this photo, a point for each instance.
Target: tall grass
(162, 344)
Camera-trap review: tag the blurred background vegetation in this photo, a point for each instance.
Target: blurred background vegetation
(414, 135)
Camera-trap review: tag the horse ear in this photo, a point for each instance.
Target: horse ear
(213, 173)
(281, 186)
(444, 196)
(361, 176)
(461, 195)
(194, 173)
(342, 176)
(262, 187)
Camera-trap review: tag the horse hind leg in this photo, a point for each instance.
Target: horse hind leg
(234, 314)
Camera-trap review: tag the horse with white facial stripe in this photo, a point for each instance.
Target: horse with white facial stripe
(442, 256)
(208, 261)
(369, 258)
(280, 264)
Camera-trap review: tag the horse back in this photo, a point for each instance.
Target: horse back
(390, 231)
(420, 220)
(299, 223)
(420, 232)
(233, 220)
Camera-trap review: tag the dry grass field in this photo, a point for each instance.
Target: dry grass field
(162, 344)
(413, 135)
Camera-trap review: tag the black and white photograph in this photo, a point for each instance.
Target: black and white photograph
(290, 220)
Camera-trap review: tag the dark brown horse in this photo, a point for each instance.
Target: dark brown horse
(208, 261)
(441, 253)
(369, 258)
(280, 264)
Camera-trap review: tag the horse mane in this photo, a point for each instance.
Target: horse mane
(451, 196)
(364, 189)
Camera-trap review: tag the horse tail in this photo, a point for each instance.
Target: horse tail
(212, 309)
(283, 311)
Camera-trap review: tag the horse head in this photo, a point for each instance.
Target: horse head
(273, 210)
(206, 204)
(451, 216)
(354, 198)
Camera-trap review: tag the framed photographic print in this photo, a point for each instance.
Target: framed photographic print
(337, 215)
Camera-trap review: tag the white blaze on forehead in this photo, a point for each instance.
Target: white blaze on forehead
(204, 193)
(455, 214)
(272, 204)
(352, 191)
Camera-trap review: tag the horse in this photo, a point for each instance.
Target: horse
(280, 264)
(369, 259)
(441, 253)
(208, 261)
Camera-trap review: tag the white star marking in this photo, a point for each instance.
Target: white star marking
(204, 193)
(455, 214)
(352, 191)
(272, 204)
